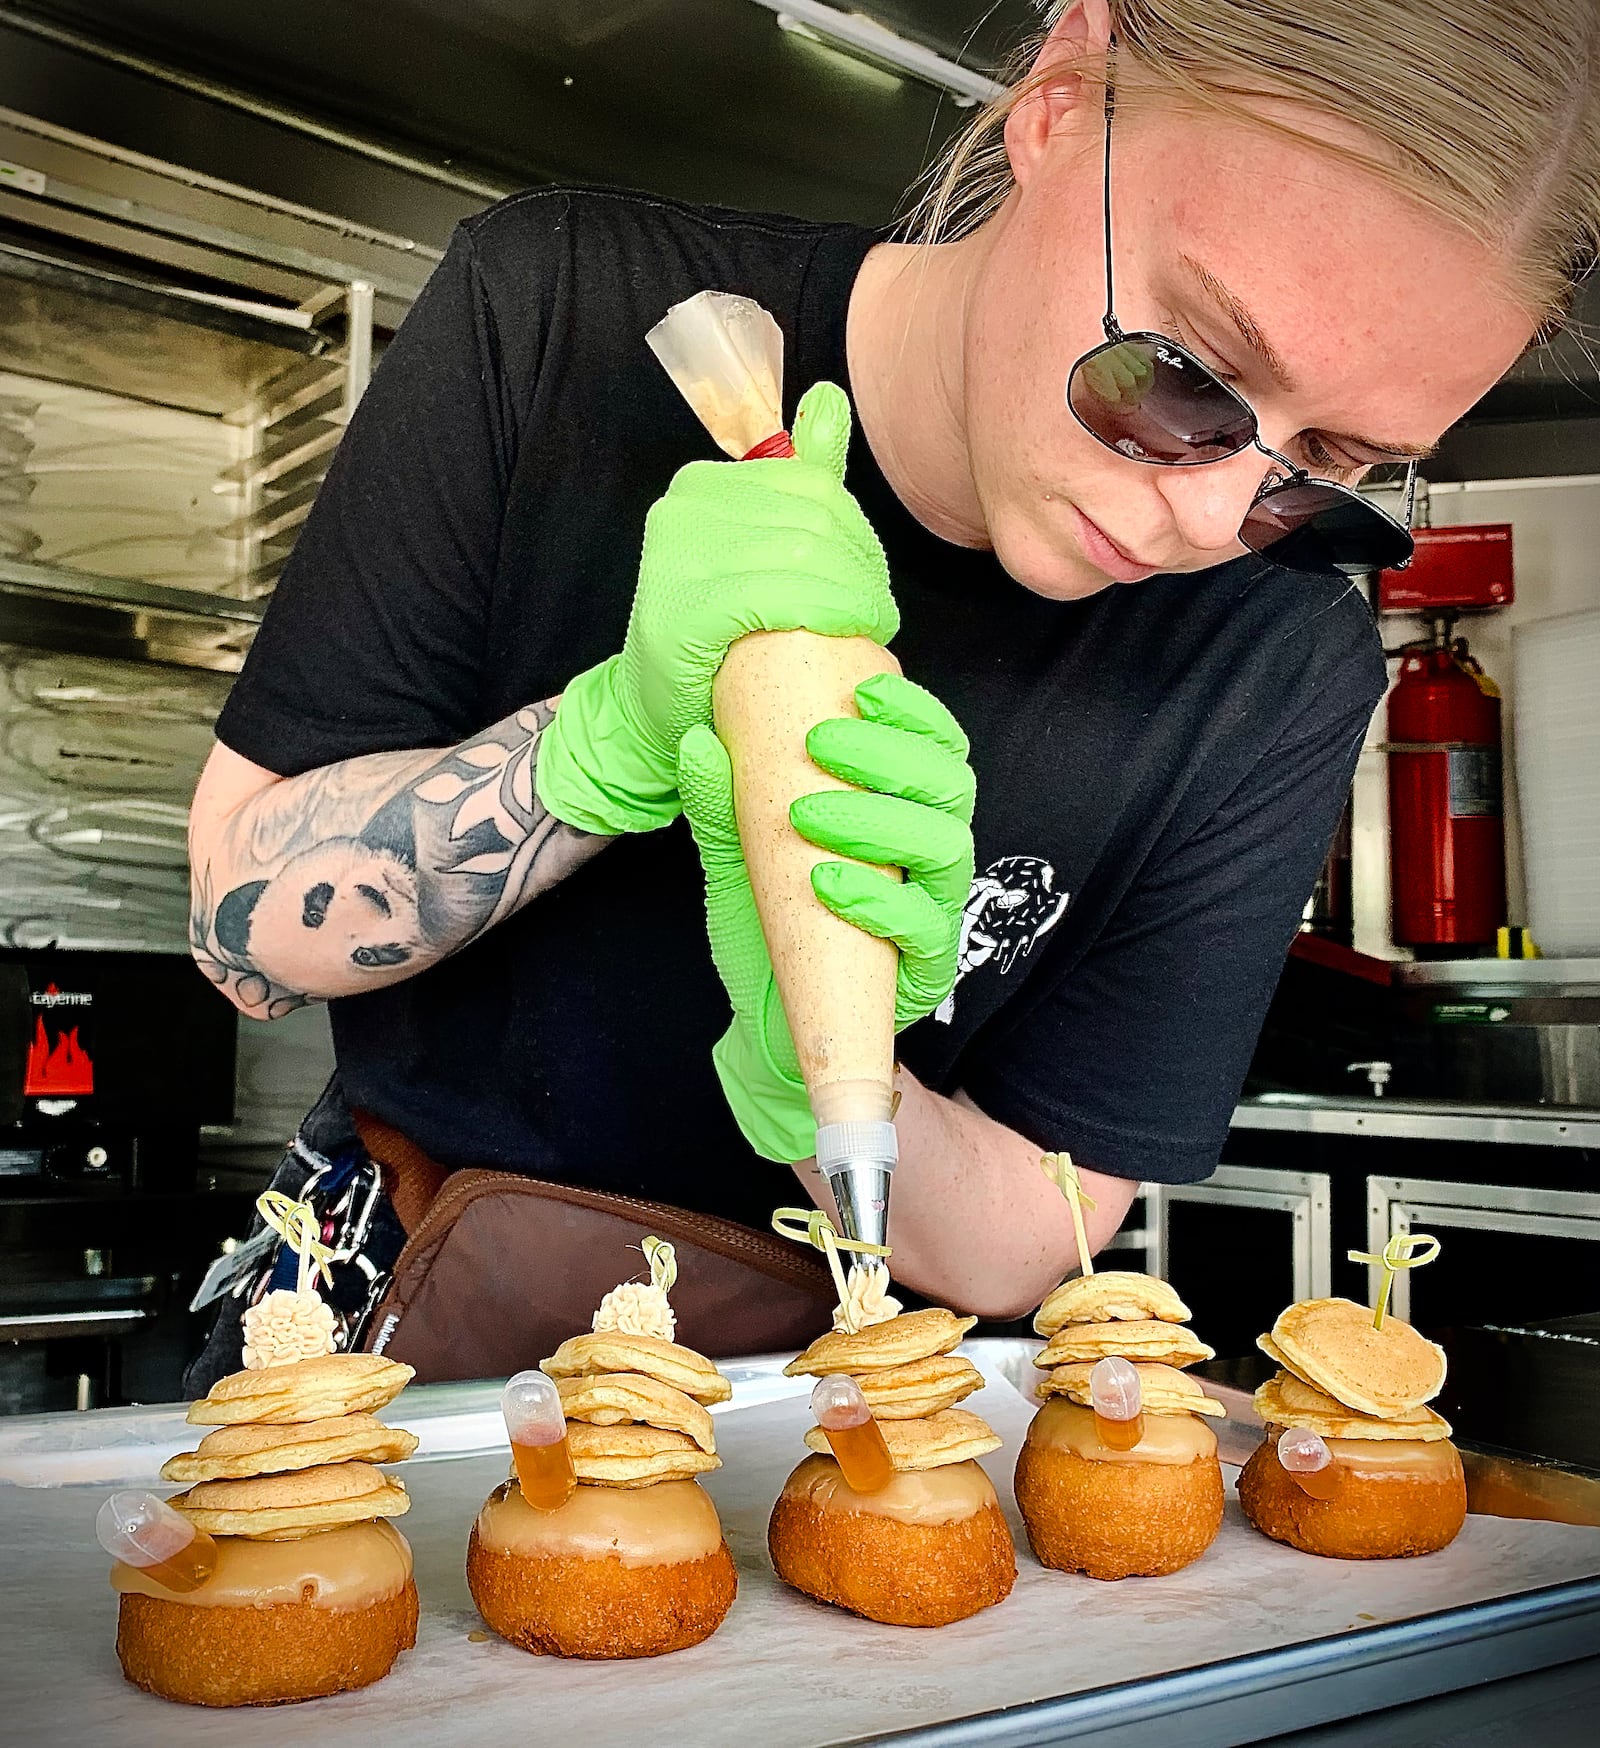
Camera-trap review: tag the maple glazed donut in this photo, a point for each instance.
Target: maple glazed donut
(275, 1622)
(626, 1557)
(1142, 1504)
(1391, 1485)
(1111, 1513)
(930, 1547)
(615, 1572)
(307, 1590)
(1396, 1498)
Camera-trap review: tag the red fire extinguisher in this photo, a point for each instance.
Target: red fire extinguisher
(1447, 854)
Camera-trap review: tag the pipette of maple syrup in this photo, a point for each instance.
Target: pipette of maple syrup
(1305, 1458)
(1118, 1403)
(145, 1532)
(531, 1404)
(853, 1435)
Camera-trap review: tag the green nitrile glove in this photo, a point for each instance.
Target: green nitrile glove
(913, 811)
(732, 547)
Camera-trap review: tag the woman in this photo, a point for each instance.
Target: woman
(1355, 222)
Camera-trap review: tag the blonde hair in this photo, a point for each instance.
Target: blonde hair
(1485, 112)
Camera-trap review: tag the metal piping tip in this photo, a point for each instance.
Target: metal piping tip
(861, 1192)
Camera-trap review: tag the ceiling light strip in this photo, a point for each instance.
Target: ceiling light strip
(865, 38)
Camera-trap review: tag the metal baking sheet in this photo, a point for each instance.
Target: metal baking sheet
(1252, 1640)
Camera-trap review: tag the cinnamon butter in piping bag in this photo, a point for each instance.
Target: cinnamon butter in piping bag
(725, 355)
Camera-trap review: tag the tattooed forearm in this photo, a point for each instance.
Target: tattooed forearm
(368, 871)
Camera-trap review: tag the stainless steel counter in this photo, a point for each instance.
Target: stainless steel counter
(1420, 1120)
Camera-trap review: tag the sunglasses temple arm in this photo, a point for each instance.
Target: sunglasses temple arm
(1410, 516)
(1112, 331)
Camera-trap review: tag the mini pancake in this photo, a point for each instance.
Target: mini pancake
(1271, 1349)
(610, 1351)
(1332, 1345)
(281, 1507)
(1395, 1499)
(1162, 1389)
(954, 1436)
(621, 1398)
(234, 1453)
(912, 1336)
(1116, 1296)
(635, 1456)
(924, 1387)
(1286, 1400)
(303, 1391)
(1167, 1344)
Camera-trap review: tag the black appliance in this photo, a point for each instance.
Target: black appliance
(110, 1063)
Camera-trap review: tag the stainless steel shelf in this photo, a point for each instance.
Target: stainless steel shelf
(54, 1325)
(1502, 976)
(53, 583)
(66, 321)
(1416, 1120)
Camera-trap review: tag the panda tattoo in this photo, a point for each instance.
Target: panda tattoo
(447, 855)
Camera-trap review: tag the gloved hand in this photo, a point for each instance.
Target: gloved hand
(732, 547)
(913, 810)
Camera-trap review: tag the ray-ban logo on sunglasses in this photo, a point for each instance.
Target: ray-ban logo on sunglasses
(1175, 359)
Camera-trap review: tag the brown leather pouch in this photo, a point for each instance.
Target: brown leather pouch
(500, 1270)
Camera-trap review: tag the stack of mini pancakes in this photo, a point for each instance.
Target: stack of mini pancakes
(1364, 1390)
(932, 1546)
(1344, 1378)
(636, 1408)
(1135, 1317)
(294, 1449)
(912, 1379)
(311, 1593)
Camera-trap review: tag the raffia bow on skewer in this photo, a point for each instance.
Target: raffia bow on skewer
(641, 1307)
(1405, 1250)
(298, 1225)
(863, 1297)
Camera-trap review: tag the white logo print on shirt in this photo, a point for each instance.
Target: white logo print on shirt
(1013, 904)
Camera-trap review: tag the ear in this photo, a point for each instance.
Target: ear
(1081, 35)
(231, 924)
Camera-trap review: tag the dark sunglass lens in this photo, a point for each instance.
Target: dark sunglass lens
(1324, 528)
(1149, 400)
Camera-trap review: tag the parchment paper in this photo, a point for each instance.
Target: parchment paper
(782, 1671)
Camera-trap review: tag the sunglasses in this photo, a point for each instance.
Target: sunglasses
(1150, 399)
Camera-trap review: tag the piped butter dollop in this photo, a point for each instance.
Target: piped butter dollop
(287, 1326)
(867, 1299)
(637, 1308)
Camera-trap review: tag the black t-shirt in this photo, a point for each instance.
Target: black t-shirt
(1160, 766)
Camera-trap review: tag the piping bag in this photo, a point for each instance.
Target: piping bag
(725, 355)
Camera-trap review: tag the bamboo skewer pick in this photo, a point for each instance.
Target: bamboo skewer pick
(1060, 1170)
